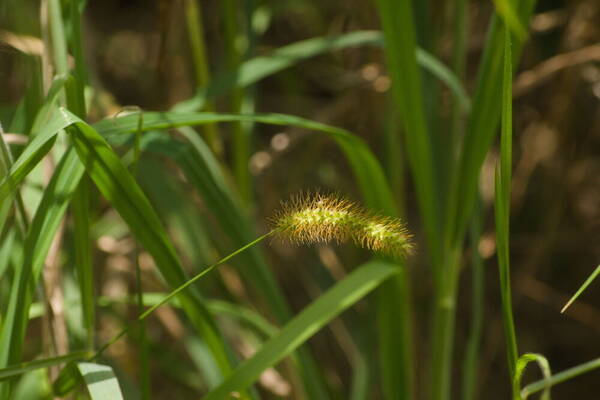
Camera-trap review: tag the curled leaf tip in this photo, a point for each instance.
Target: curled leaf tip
(316, 217)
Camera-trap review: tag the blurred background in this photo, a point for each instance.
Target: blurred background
(138, 54)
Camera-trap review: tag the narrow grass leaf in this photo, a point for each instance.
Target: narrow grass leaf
(343, 295)
(49, 106)
(202, 171)
(587, 282)
(502, 212)
(368, 171)
(481, 125)
(120, 189)
(41, 233)
(398, 23)
(33, 153)
(19, 369)
(562, 376)
(100, 380)
(506, 9)
(83, 256)
(260, 67)
(522, 363)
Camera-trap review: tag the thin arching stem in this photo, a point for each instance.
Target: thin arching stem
(178, 290)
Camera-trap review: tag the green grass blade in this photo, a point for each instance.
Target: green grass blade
(19, 369)
(120, 189)
(364, 164)
(445, 75)
(587, 282)
(397, 20)
(170, 197)
(260, 67)
(506, 9)
(100, 380)
(562, 376)
(502, 211)
(32, 154)
(470, 366)
(195, 31)
(522, 363)
(6, 161)
(57, 37)
(77, 96)
(394, 323)
(202, 172)
(43, 227)
(481, 126)
(46, 110)
(344, 294)
(83, 257)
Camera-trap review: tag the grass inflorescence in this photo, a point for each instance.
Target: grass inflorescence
(317, 217)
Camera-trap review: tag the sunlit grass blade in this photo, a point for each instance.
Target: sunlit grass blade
(120, 189)
(195, 31)
(100, 380)
(202, 171)
(502, 213)
(522, 363)
(560, 377)
(48, 107)
(83, 257)
(260, 67)
(6, 162)
(506, 9)
(368, 170)
(181, 215)
(481, 125)
(587, 282)
(43, 228)
(470, 365)
(19, 369)
(33, 153)
(343, 295)
(397, 20)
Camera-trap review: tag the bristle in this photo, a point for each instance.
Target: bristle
(312, 218)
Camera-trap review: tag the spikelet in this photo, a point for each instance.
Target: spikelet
(313, 218)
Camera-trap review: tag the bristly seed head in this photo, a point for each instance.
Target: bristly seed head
(313, 218)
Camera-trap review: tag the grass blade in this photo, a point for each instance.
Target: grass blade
(43, 227)
(204, 174)
(397, 20)
(481, 126)
(16, 370)
(83, 257)
(470, 366)
(100, 380)
(120, 189)
(364, 164)
(344, 294)
(502, 211)
(560, 377)
(260, 67)
(32, 154)
(587, 282)
(522, 363)
(506, 9)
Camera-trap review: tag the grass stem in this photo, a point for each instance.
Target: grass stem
(178, 290)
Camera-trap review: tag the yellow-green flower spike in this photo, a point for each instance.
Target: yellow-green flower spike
(312, 218)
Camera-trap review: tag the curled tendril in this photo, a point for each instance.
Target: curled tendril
(314, 218)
